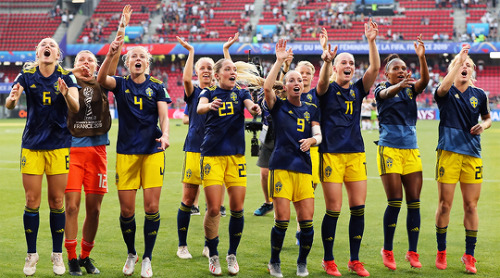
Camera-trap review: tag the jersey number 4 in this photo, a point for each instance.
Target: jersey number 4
(138, 101)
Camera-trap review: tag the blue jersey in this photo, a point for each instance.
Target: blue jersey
(340, 118)
(398, 118)
(310, 97)
(46, 127)
(291, 124)
(225, 128)
(196, 130)
(459, 112)
(138, 114)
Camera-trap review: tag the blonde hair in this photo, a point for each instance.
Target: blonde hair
(306, 64)
(453, 62)
(149, 57)
(88, 52)
(33, 64)
(208, 59)
(333, 77)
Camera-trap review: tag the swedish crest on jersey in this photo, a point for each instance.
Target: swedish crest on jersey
(409, 93)
(307, 116)
(277, 187)
(207, 169)
(233, 96)
(389, 162)
(352, 93)
(149, 93)
(189, 173)
(474, 102)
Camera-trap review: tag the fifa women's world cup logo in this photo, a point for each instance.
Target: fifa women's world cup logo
(88, 93)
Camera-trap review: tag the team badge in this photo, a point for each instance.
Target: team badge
(23, 161)
(388, 162)
(206, 169)
(277, 187)
(189, 173)
(233, 96)
(149, 93)
(353, 94)
(473, 101)
(309, 97)
(409, 93)
(56, 87)
(382, 85)
(307, 116)
(441, 172)
(328, 171)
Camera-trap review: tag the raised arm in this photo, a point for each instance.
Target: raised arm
(326, 69)
(70, 95)
(286, 66)
(103, 78)
(125, 19)
(421, 84)
(227, 45)
(392, 90)
(371, 32)
(281, 55)
(454, 71)
(14, 95)
(187, 76)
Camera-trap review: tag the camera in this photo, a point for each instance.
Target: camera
(254, 126)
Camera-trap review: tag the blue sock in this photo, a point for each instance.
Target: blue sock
(441, 237)
(356, 229)
(390, 222)
(31, 220)
(183, 218)
(212, 246)
(128, 227)
(236, 223)
(413, 224)
(151, 226)
(470, 242)
(277, 236)
(57, 223)
(328, 228)
(306, 238)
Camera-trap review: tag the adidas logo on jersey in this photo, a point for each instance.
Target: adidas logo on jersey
(33, 86)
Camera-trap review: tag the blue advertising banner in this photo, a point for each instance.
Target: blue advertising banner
(478, 28)
(312, 48)
(267, 31)
(134, 32)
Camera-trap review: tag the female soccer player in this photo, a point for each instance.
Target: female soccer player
(460, 104)
(142, 101)
(191, 172)
(398, 159)
(222, 158)
(50, 92)
(88, 159)
(342, 152)
(296, 127)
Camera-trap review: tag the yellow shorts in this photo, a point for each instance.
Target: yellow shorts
(191, 168)
(453, 167)
(343, 167)
(398, 161)
(230, 170)
(52, 162)
(136, 170)
(290, 185)
(315, 164)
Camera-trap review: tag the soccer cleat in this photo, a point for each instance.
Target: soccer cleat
(470, 263)
(264, 209)
(146, 269)
(222, 211)
(302, 270)
(214, 265)
(388, 259)
(441, 260)
(195, 210)
(232, 264)
(275, 269)
(412, 257)
(58, 262)
(74, 268)
(358, 267)
(30, 264)
(128, 268)
(183, 252)
(205, 252)
(331, 268)
(88, 264)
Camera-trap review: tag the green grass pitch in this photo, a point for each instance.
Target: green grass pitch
(254, 251)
